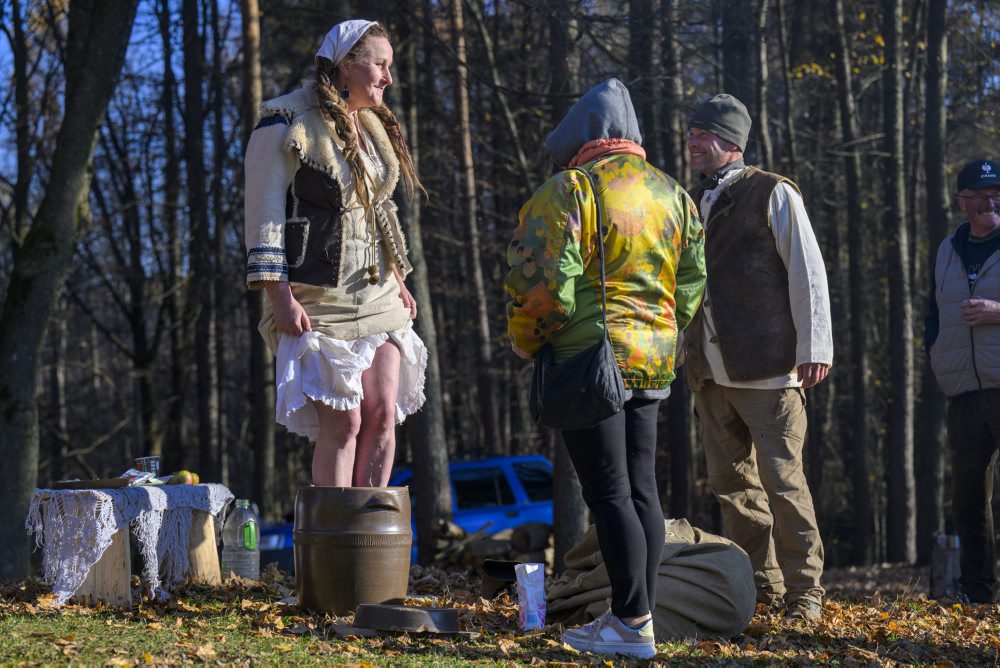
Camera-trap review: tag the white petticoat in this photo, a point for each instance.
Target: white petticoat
(315, 367)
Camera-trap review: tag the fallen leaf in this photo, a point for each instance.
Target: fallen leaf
(47, 600)
(206, 652)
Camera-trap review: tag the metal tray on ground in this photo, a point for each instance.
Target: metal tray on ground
(394, 617)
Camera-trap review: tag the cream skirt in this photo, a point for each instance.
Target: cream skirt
(315, 367)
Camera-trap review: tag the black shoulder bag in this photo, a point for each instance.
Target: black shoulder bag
(587, 388)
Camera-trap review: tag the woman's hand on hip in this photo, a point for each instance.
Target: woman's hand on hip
(289, 316)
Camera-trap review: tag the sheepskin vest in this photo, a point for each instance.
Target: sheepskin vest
(327, 232)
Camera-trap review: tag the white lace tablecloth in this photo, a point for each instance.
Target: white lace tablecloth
(75, 526)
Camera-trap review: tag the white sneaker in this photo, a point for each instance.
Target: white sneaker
(609, 635)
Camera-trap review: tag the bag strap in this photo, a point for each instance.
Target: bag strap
(600, 245)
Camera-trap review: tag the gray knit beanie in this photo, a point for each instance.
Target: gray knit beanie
(725, 117)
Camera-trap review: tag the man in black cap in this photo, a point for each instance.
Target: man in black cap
(762, 336)
(963, 338)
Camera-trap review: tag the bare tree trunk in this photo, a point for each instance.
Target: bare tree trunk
(426, 429)
(738, 22)
(218, 281)
(675, 155)
(22, 107)
(261, 391)
(932, 437)
(680, 405)
(786, 69)
(570, 515)
(486, 379)
(762, 120)
(202, 298)
(681, 437)
(901, 494)
(641, 77)
(95, 51)
(861, 443)
(57, 391)
(178, 454)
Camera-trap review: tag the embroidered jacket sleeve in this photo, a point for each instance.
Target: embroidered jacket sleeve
(269, 168)
(691, 272)
(807, 285)
(549, 251)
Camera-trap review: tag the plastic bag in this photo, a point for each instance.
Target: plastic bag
(531, 595)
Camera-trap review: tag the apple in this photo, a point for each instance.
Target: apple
(182, 477)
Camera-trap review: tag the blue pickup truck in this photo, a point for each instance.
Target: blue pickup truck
(487, 494)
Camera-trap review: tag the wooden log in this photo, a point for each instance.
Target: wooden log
(489, 548)
(531, 536)
(449, 530)
(503, 534)
(202, 552)
(110, 579)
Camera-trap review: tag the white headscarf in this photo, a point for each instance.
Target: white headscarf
(342, 38)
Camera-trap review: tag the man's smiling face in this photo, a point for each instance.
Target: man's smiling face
(710, 153)
(982, 208)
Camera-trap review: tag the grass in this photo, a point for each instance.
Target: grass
(214, 634)
(247, 624)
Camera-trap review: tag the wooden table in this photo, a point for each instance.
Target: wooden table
(84, 538)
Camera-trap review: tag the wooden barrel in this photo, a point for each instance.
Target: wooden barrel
(352, 546)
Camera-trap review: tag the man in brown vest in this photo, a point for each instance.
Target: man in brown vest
(762, 336)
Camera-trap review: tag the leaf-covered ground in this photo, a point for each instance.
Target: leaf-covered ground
(877, 616)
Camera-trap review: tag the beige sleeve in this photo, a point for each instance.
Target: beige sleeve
(808, 293)
(269, 168)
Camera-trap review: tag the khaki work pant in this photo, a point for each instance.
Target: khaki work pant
(753, 444)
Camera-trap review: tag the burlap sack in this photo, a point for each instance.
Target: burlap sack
(705, 586)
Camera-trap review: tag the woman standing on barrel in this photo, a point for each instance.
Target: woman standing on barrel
(324, 241)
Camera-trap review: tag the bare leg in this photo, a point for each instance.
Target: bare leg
(333, 458)
(376, 442)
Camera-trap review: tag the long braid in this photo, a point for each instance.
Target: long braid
(336, 110)
(395, 132)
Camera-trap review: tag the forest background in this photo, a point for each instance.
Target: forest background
(126, 328)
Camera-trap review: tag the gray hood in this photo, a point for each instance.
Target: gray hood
(604, 112)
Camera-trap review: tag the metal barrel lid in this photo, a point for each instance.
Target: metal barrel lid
(392, 617)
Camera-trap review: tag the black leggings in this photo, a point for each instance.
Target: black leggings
(616, 464)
